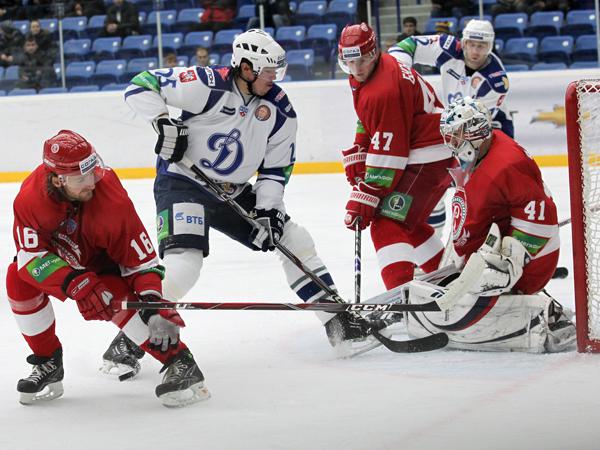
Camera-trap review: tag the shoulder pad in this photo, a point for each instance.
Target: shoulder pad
(495, 73)
(216, 77)
(451, 45)
(279, 98)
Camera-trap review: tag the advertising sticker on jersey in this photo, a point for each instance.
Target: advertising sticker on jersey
(188, 218)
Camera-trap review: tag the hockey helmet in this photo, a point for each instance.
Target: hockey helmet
(70, 156)
(356, 42)
(262, 51)
(480, 31)
(465, 124)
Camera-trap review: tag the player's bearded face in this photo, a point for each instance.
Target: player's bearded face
(475, 53)
(80, 187)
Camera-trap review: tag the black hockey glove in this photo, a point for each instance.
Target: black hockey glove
(272, 221)
(172, 138)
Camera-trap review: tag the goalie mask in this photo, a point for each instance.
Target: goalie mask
(73, 159)
(259, 49)
(465, 125)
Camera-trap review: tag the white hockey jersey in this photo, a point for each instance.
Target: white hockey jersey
(230, 139)
(489, 83)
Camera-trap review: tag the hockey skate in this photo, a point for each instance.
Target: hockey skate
(45, 381)
(561, 330)
(350, 336)
(183, 382)
(121, 358)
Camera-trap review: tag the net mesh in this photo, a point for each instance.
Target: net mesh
(588, 99)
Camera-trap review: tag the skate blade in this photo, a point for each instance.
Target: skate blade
(194, 394)
(50, 392)
(123, 371)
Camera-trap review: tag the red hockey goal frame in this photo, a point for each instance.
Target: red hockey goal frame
(582, 103)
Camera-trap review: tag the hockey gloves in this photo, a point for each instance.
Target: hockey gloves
(92, 296)
(354, 160)
(502, 269)
(264, 237)
(172, 138)
(362, 207)
(163, 325)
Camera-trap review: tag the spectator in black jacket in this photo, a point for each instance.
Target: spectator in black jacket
(121, 20)
(81, 8)
(43, 38)
(11, 42)
(277, 13)
(9, 9)
(35, 67)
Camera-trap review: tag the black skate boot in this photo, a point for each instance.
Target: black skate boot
(45, 381)
(121, 357)
(346, 327)
(183, 382)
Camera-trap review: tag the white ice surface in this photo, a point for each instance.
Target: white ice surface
(274, 379)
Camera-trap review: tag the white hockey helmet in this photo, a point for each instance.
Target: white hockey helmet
(465, 125)
(480, 31)
(262, 51)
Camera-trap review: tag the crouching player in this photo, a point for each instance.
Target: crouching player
(78, 236)
(506, 239)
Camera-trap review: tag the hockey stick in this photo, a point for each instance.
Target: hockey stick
(428, 343)
(357, 261)
(255, 306)
(594, 208)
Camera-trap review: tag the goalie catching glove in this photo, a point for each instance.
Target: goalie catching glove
(265, 236)
(502, 270)
(172, 138)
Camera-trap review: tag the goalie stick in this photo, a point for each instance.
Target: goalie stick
(422, 344)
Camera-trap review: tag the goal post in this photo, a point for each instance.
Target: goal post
(582, 103)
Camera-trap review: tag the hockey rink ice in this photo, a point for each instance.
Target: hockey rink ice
(275, 381)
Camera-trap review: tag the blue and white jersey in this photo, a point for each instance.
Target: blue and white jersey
(231, 138)
(489, 83)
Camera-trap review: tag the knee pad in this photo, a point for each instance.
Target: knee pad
(182, 270)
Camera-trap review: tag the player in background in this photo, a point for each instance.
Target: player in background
(468, 68)
(398, 164)
(235, 122)
(68, 247)
(506, 236)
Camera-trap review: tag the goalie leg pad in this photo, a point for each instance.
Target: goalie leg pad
(525, 323)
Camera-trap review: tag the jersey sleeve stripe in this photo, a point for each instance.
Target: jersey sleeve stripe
(24, 257)
(546, 231)
(386, 161)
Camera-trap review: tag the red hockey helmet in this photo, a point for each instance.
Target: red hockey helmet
(357, 50)
(69, 154)
(356, 41)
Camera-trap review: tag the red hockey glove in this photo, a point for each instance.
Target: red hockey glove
(163, 325)
(91, 294)
(354, 160)
(363, 205)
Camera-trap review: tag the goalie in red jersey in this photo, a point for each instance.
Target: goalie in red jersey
(78, 237)
(398, 164)
(506, 237)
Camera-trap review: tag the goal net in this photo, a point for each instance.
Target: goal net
(583, 137)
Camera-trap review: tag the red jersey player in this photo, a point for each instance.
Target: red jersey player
(398, 165)
(505, 228)
(78, 236)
